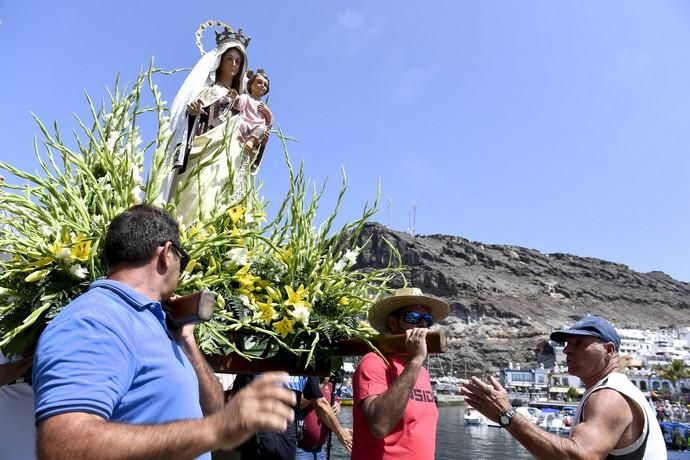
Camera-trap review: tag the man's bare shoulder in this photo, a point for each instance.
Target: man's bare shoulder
(606, 401)
(608, 409)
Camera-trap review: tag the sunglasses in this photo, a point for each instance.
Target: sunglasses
(413, 317)
(181, 253)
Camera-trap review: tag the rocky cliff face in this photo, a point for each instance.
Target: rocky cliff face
(505, 300)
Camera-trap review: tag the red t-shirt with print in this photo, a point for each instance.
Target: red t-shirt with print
(414, 437)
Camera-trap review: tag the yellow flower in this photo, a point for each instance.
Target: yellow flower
(297, 298)
(220, 302)
(55, 249)
(36, 276)
(236, 214)
(56, 252)
(81, 250)
(191, 265)
(235, 232)
(274, 294)
(344, 300)
(245, 278)
(212, 266)
(284, 255)
(191, 233)
(267, 312)
(284, 327)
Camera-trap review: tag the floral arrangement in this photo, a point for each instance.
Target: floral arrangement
(284, 286)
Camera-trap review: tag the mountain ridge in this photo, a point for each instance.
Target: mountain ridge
(506, 299)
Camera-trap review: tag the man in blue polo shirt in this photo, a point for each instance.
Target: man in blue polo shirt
(112, 381)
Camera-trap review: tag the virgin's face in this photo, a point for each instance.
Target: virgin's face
(230, 64)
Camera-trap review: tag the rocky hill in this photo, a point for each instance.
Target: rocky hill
(505, 300)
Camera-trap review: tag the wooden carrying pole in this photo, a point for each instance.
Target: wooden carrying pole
(191, 308)
(436, 342)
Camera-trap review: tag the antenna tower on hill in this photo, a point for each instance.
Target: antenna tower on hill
(412, 220)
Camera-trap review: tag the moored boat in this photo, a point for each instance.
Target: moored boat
(473, 417)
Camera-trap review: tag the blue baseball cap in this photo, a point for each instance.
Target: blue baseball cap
(593, 326)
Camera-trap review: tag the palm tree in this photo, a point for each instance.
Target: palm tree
(674, 371)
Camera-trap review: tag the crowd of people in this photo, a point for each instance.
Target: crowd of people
(667, 411)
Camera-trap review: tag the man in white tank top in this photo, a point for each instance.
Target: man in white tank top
(613, 421)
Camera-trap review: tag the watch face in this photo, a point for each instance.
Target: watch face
(504, 420)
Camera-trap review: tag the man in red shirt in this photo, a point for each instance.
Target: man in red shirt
(394, 412)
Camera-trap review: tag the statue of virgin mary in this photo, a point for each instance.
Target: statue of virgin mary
(209, 167)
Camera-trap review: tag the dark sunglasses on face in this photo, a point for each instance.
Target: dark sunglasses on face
(413, 317)
(181, 253)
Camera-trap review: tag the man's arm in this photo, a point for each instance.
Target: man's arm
(325, 413)
(210, 389)
(382, 412)
(606, 417)
(264, 405)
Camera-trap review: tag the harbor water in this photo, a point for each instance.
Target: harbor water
(455, 440)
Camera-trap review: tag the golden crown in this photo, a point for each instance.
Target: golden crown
(227, 34)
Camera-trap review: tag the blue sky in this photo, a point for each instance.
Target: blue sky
(558, 126)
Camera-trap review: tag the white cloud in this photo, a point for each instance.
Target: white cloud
(351, 31)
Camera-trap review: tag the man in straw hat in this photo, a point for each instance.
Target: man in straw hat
(614, 420)
(394, 411)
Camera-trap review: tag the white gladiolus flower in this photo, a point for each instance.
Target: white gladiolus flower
(78, 271)
(351, 256)
(136, 176)
(65, 254)
(239, 256)
(159, 202)
(112, 139)
(301, 314)
(339, 266)
(137, 193)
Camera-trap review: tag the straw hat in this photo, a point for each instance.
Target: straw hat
(405, 297)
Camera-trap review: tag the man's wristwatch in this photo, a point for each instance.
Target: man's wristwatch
(506, 417)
